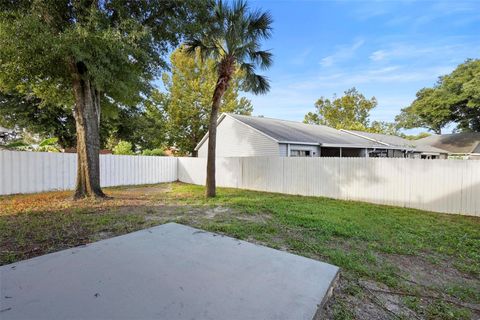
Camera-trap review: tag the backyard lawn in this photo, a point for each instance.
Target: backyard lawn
(396, 263)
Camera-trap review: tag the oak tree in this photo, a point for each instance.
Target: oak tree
(455, 98)
(76, 53)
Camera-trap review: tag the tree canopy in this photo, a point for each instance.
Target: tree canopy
(190, 86)
(80, 54)
(143, 125)
(121, 43)
(455, 98)
(24, 114)
(350, 111)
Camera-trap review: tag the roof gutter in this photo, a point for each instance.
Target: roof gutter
(364, 147)
(304, 143)
(338, 145)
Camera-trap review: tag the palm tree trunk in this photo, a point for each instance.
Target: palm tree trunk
(220, 88)
(87, 122)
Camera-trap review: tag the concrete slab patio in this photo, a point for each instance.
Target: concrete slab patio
(166, 272)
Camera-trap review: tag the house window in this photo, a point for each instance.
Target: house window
(300, 153)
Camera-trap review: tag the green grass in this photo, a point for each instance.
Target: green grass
(363, 239)
(322, 226)
(432, 259)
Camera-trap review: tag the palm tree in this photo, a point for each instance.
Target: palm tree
(233, 40)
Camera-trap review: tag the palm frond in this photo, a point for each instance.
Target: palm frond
(206, 49)
(262, 58)
(260, 24)
(235, 34)
(253, 82)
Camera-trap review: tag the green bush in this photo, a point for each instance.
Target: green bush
(123, 147)
(154, 152)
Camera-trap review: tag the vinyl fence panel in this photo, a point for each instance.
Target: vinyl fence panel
(449, 186)
(192, 170)
(28, 172)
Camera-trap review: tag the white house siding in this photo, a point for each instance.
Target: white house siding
(235, 139)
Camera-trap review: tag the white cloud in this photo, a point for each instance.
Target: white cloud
(291, 98)
(378, 55)
(371, 75)
(385, 69)
(327, 61)
(342, 53)
(301, 57)
(401, 51)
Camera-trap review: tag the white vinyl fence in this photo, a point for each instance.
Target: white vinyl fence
(28, 172)
(450, 186)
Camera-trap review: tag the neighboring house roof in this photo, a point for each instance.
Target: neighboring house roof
(385, 138)
(284, 131)
(464, 142)
(392, 140)
(293, 132)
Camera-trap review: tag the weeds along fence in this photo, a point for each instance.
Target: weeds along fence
(449, 186)
(29, 172)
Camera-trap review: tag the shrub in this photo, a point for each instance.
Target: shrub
(123, 147)
(154, 152)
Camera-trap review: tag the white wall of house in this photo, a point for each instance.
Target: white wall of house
(236, 139)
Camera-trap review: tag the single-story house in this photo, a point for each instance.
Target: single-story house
(465, 145)
(243, 136)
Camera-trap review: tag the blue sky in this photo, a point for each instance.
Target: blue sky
(386, 49)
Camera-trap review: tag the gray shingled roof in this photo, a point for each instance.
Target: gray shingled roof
(291, 131)
(385, 138)
(392, 140)
(464, 142)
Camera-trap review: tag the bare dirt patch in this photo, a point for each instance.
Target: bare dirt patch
(420, 270)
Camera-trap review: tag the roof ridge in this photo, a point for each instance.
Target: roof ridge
(282, 120)
(383, 134)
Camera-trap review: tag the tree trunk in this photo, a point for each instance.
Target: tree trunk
(220, 88)
(87, 122)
